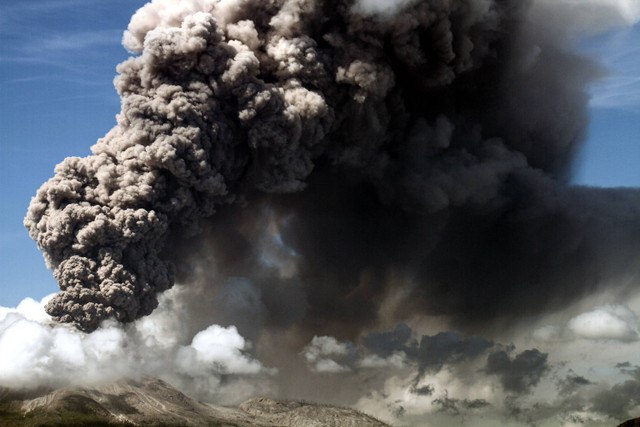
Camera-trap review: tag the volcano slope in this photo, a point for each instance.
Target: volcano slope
(152, 402)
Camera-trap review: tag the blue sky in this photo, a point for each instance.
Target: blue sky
(611, 155)
(57, 63)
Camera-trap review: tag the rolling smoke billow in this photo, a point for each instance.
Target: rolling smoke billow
(314, 172)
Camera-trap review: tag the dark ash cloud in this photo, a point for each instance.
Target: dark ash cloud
(426, 390)
(518, 374)
(618, 400)
(429, 352)
(321, 151)
(446, 348)
(458, 407)
(385, 343)
(572, 383)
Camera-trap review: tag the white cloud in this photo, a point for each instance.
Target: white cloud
(396, 360)
(321, 346)
(35, 351)
(321, 352)
(29, 309)
(614, 322)
(218, 350)
(329, 366)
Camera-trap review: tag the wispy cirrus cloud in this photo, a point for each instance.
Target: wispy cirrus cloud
(42, 5)
(78, 40)
(12, 15)
(43, 46)
(620, 55)
(55, 55)
(31, 34)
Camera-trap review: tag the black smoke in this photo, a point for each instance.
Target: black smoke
(518, 374)
(333, 157)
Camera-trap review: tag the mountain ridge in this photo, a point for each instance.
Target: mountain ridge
(153, 402)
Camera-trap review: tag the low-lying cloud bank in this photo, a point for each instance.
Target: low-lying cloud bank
(399, 375)
(35, 351)
(446, 379)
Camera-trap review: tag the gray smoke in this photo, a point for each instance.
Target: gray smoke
(520, 374)
(310, 160)
(620, 399)
(430, 353)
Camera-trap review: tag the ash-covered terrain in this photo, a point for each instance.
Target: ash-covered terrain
(152, 402)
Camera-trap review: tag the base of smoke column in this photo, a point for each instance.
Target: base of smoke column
(150, 401)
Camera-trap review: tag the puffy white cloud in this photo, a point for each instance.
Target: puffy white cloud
(34, 351)
(217, 349)
(29, 309)
(322, 346)
(613, 322)
(321, 352)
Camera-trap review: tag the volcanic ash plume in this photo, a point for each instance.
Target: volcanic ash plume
(427, 140)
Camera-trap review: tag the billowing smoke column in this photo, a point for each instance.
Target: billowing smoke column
(423, 140)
